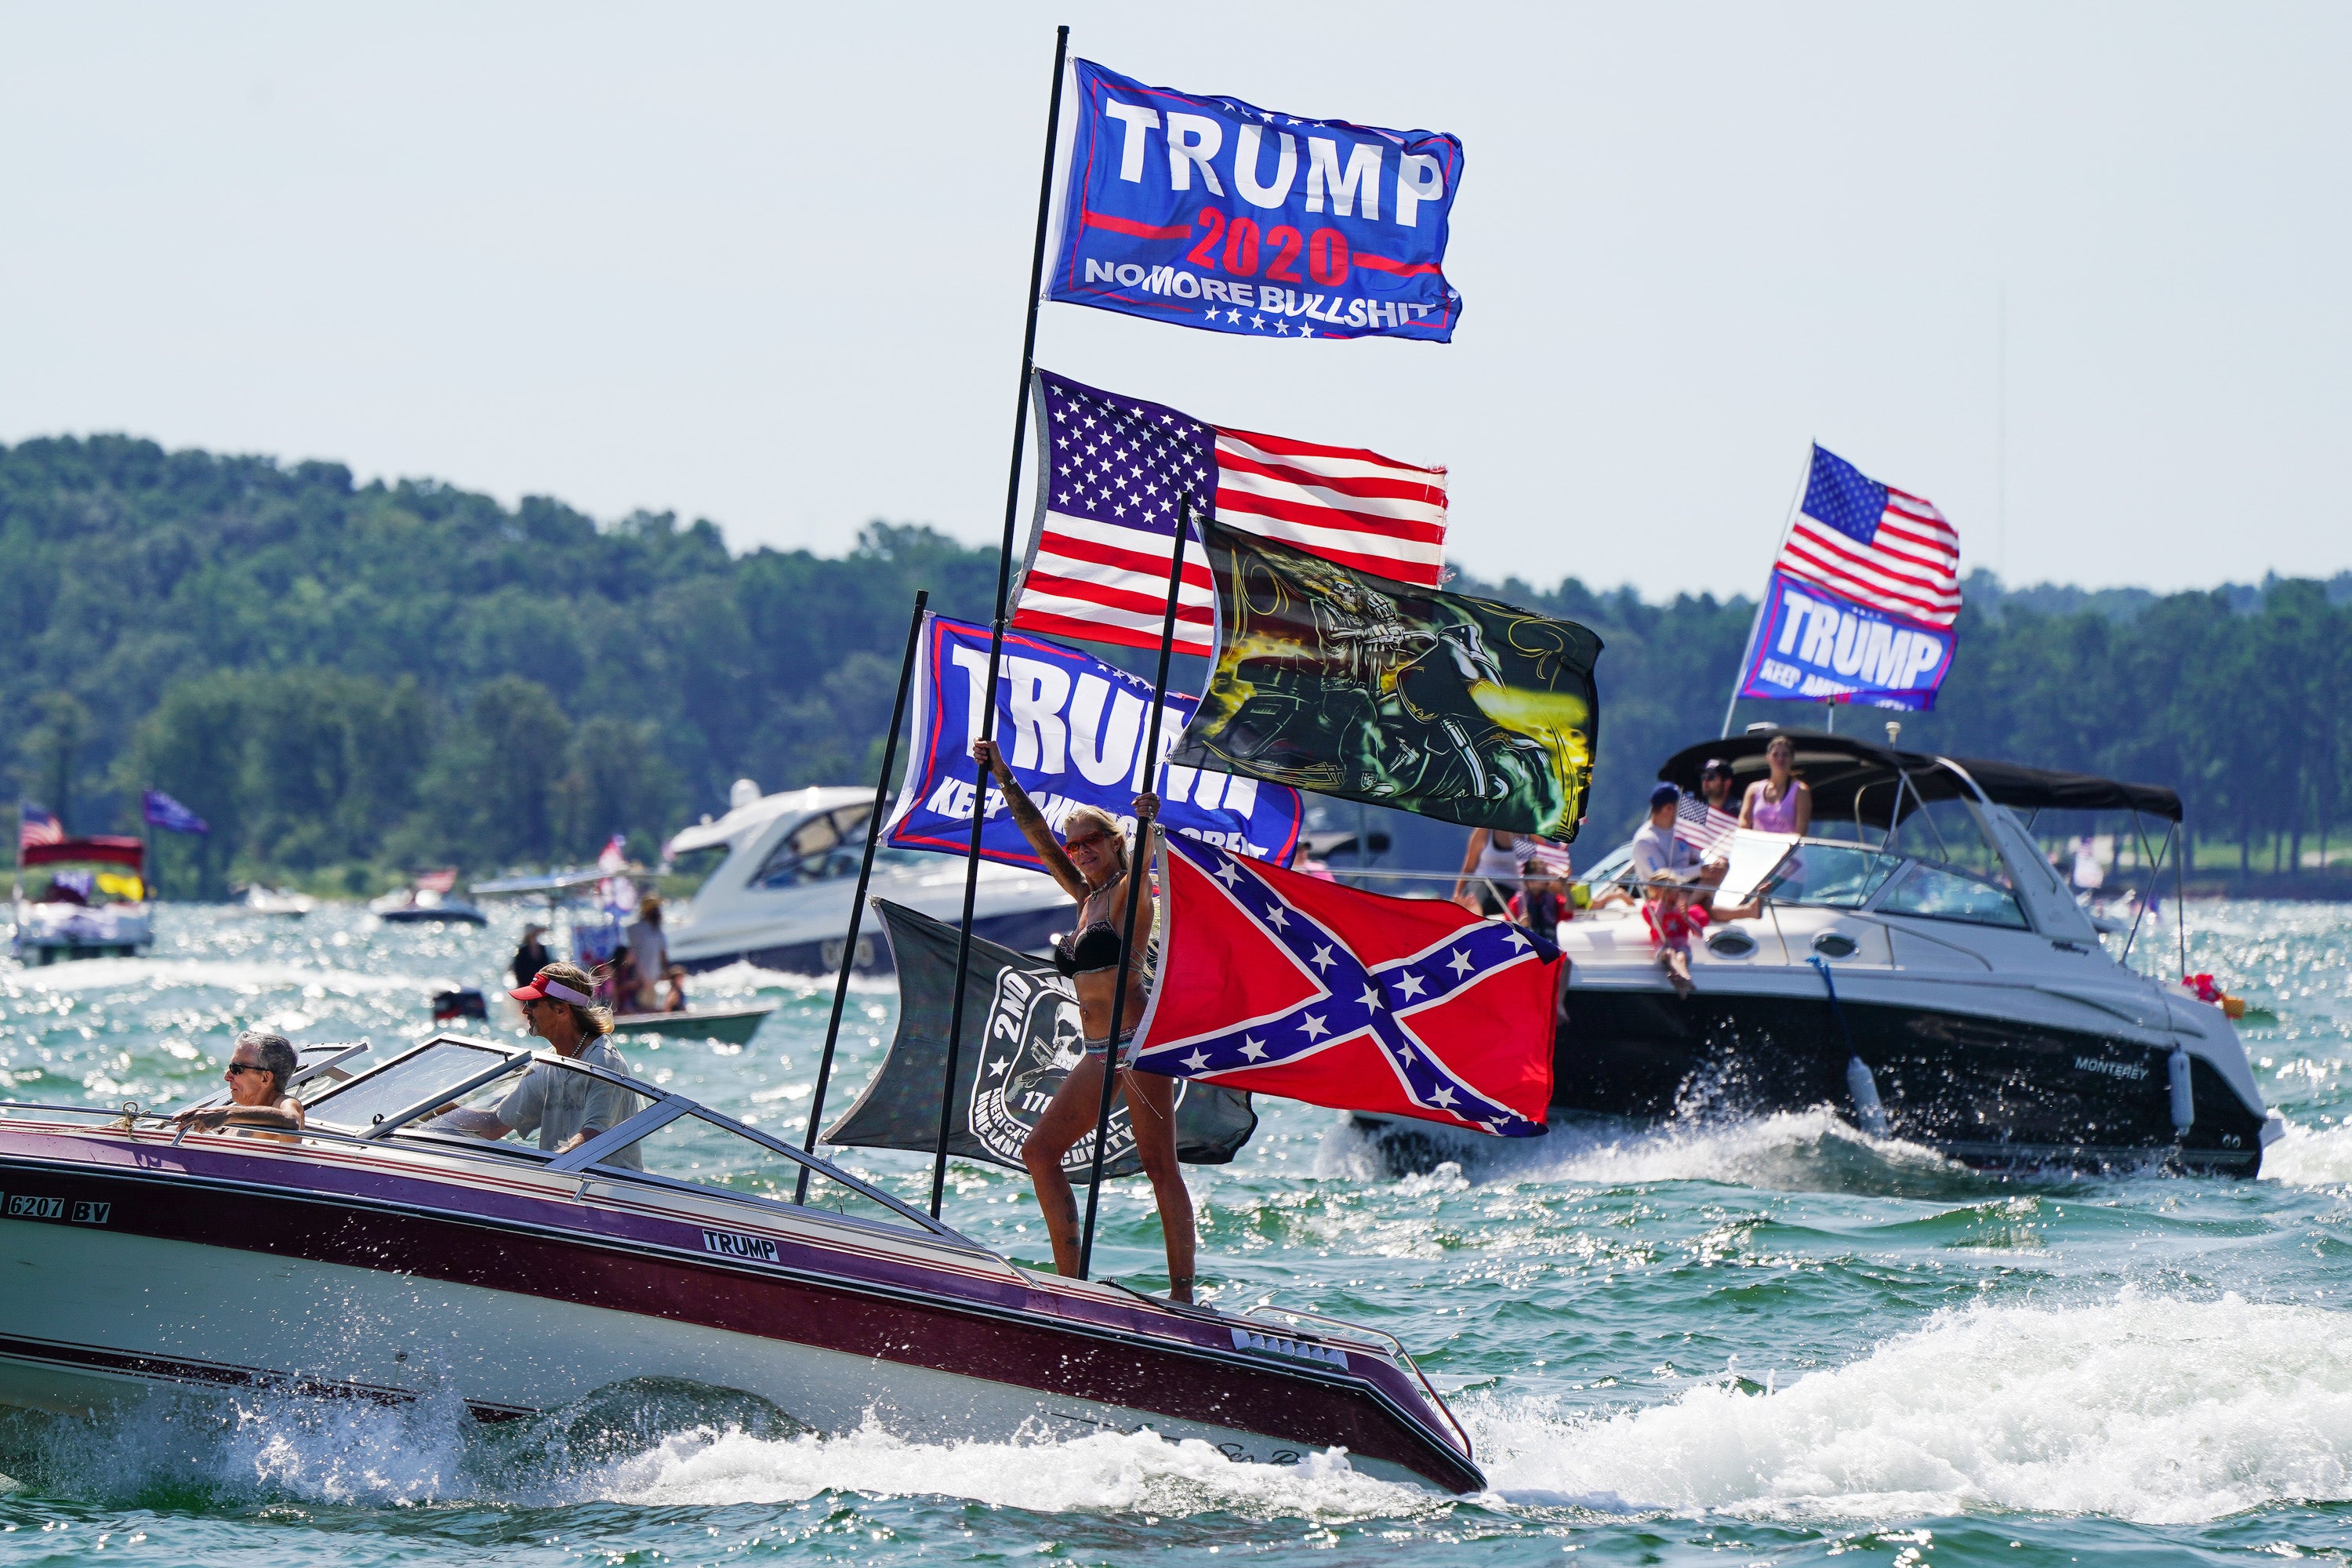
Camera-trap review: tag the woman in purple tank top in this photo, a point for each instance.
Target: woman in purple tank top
(1782, 803)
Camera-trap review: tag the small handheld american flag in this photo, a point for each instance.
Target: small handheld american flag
(1873, 545)
(1702, 826)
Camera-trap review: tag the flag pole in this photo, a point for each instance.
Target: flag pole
(996, 632)
(858, 900)
(1139, 871)
(1756, 626)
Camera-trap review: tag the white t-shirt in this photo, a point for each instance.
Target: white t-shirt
(1656, 849)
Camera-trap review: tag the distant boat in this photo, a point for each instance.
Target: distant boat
(433, 899)
(734, 1025)
(278, 901)
(779, 897)
(89, 907)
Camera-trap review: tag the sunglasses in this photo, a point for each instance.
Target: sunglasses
(1086, 841)
(236, 1068)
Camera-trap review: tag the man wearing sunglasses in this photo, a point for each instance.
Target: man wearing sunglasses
(257, 1072)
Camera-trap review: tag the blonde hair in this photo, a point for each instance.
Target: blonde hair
(1102, 819)
(592, 1021)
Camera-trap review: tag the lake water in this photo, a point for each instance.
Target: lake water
(1756, 1342)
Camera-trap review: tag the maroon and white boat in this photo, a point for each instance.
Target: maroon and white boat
(382, 1255)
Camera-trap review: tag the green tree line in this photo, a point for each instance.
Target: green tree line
(350, 682)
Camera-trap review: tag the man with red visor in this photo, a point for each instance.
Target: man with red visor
(565, 1109)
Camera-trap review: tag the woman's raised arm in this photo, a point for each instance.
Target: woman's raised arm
(1030, 820)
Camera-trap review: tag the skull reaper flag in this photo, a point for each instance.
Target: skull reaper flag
(1330, 680)
(1286, 983)
(1028, 1041)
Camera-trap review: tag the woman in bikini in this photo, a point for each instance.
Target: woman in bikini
(1091, 864)
(1783, 803)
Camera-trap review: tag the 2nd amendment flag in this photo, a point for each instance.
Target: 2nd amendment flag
(1021, 1039)
(1332, 679)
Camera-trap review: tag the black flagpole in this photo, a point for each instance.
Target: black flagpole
(996, 634)
(857, 903)
(1139, 871)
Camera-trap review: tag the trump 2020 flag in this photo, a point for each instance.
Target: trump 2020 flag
(1029, 1039)
(1280, 983)
(1111, 471)
(1213, 213)
(1072, 728)
(162, 811)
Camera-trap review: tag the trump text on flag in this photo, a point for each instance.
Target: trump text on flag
(1815, 646)
(1072, 730)
(1212, 213)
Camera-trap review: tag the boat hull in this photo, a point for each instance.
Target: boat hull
(330, 1279)
(733, 1026)
(1984, 1090)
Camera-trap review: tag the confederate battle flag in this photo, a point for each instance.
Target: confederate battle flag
(1280, 983)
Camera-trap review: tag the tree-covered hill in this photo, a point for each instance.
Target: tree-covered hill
(358, 679)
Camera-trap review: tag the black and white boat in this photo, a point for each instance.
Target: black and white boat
(1919, 964)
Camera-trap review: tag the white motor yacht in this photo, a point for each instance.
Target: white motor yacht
(779, 895)
(1919, 964)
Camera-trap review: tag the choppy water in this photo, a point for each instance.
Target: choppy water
(1756, 1342)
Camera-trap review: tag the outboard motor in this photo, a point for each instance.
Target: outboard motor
(456, 1007)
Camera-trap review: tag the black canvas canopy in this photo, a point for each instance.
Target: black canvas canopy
(1853, 779)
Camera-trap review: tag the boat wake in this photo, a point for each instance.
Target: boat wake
(226, 975)
(1794, 1151)
(648, 1442)
(2148, 1408)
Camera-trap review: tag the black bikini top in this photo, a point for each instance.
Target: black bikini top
(1087, 951)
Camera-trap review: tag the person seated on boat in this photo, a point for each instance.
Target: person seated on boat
(564, 1109)
(1782, 803)
(1490, 871)
(259, 1067)
(530, 955)
(674, 990)
(1656, 846)
(648, 956)
(1091, 862)
(1675, 914)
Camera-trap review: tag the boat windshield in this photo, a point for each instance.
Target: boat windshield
(418, 1078)
(1836, 876)
(704, 1152)
(825, 847)
(1958, 874)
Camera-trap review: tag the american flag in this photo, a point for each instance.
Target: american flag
(35, 825)
(1111, 470)
(1874, 544)
(1701, 825)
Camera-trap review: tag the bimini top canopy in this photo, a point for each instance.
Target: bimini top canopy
(1853, 780)
(105, 848)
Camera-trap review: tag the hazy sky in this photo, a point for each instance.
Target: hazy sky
(766, 264)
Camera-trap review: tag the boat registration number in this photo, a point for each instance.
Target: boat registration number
(82, 1211)
(728, 1244)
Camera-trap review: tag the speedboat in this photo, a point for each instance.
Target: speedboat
(433, 900)
(93, 904)
(276, 902)
(1918, 963)
(728, 1025)
(380, 1254)
(787, 866)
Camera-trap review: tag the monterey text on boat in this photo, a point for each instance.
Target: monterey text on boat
(382, 1254)
(1919, 964)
